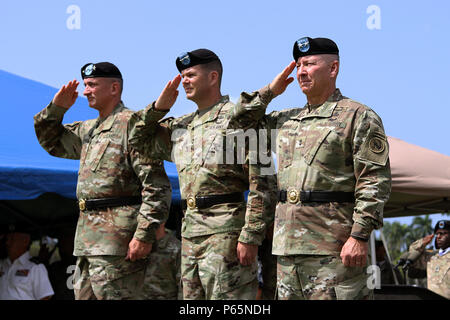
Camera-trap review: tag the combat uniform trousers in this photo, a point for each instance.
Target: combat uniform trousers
(268, 270)
(211, 270)
(108, 278)
(320, 277)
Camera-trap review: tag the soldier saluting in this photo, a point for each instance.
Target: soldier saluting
(220, 232)
(122, 197)
(434, 265)
(333, 178)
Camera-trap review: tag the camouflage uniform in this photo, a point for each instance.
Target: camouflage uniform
(268, 268)
(163, 273)
(337, 146)
(209, 236)
(437, 266)
(109, 168)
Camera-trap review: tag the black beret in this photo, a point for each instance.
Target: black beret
(100, 70)
(443, 224)
(307, 46)
(193, 58)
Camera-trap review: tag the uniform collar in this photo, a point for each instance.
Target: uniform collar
(107, 123)
(22, 260)
(212, 114)
(325, 110)
(444, 252)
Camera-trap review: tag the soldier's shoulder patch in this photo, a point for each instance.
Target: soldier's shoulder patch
(375, 149)
(377, 144)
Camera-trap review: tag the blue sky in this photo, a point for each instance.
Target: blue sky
(400, 70)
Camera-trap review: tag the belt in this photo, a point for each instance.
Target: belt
(91, 204)
(294, 196)
(203, 202)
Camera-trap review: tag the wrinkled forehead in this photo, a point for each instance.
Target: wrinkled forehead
(443, 231)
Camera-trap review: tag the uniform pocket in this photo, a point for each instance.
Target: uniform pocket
(315, 146)
(236, 277)
(286, 140)
(353, 289)
(95, 155)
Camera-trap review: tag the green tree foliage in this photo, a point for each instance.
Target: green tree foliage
(399, 236)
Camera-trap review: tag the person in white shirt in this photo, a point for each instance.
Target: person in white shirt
(21, 276)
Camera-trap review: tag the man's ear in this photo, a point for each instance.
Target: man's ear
(115, 88)
(214, 77)
(334, 69)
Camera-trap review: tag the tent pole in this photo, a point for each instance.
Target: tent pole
(372, 249)
(388, 256)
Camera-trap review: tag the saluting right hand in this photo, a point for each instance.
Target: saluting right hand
(169, 94)
(427, 239)
(67, 95)
(282, 80)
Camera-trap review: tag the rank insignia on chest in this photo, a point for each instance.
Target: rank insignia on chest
(22, 273)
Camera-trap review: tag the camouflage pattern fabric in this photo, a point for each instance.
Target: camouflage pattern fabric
(108, 278)
(198, 146)
(268, 270)
(319, 277)
(417, 248)
(437, 268)
(337, 146)
(211, 161)
(438, 275)
(219, 275)
(109, 167)
(163, 273)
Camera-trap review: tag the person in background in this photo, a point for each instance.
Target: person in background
(436, 264)
(21, 276)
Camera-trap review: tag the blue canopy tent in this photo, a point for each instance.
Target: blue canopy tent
(35, 187)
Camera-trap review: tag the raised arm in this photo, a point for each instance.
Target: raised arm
(57, 139)
(373, 185)
(251, 107)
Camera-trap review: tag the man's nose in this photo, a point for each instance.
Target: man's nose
(301, 70)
